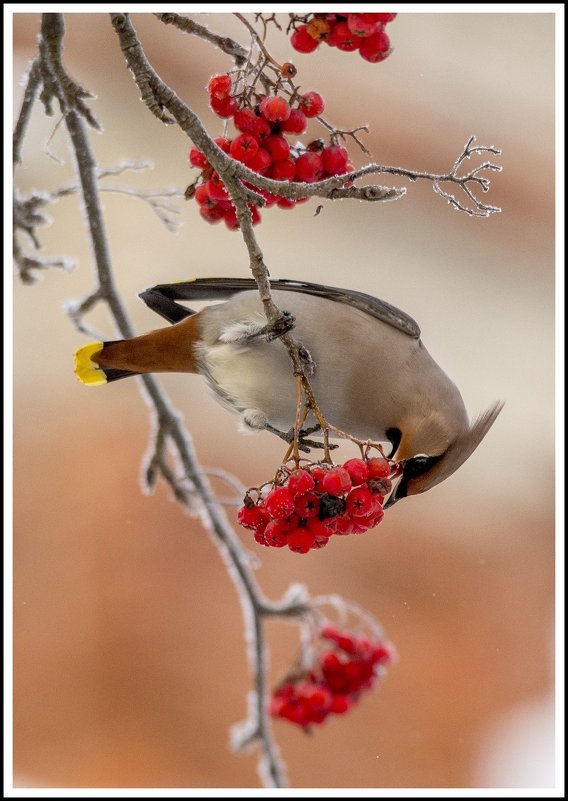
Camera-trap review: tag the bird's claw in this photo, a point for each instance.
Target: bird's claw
(305, 444)
(279, 327)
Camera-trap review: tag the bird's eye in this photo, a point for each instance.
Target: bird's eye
(419, 465)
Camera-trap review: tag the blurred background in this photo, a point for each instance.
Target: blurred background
(130, 664)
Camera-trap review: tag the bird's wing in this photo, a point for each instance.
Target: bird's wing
(224, 288)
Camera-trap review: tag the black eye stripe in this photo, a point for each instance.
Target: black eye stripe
(419, 465)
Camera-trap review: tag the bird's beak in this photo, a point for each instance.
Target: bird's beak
(393, 498)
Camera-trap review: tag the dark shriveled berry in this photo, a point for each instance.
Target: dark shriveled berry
(330, 506)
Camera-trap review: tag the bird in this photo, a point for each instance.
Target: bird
(372, 375)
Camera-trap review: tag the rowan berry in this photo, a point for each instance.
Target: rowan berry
(279, 503)
(219, 86)
(312, 104)
(296, 122)
(197, 159)
(335, 159)
(378, 468)
(358, 471)
(223, 107)
(302, 41)
(274, 109)
(244, 148)
(337, 481)
(309, 168)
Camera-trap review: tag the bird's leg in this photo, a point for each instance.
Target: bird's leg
(304, 444)
(277, 329)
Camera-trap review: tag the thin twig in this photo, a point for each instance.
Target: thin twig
(223, 43)
(30, 94)
(258, 41)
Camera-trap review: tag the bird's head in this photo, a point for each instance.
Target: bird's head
(431, 449)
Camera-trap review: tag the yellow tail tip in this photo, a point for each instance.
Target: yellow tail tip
(86, 370)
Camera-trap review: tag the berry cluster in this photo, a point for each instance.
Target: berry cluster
(306, 506)
(363, 32)
(262, 145)
(335, 682)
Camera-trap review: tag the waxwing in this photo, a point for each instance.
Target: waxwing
(373, 377)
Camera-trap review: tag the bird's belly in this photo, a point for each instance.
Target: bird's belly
(260, 377)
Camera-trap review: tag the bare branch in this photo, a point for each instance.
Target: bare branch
(195, 486)
(224, 43)
(56, 82)
(30, 94)
(29, 267)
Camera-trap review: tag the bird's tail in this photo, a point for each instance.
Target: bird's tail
(166, 350)
(89, 372)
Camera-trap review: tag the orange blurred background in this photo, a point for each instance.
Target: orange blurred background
(130, 664)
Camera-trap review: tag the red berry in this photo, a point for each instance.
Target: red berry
(318, 528)
(245, 120)
(378, 468)
(283, 170)
(376, 47)
(296, 122)
(278, 147)
(224, 107)
(302, 41)
(213, 213)
(312, 104)
(307, 505)
(259, 537)
(252, 517)
(231, 219)
(279, 503)
(358, 471)
(362, 24)
(219, 86)
(330, 662)
(244, 148)
(270, 199)
(318, 472)
(360, 502)
(309, 168)
(342, 38)
(276, 533)
(202, 195)
(376, 516)
(263, 130)
(384, 17)
(224, 144)
(216, 188)
(261, 161)
(335, 159)
(300, 482)
(343, 524)
(274, 109)
(340, 704)
(197, 158)
(318, 697)
(300, 540)
(285, 203)
(381, 654)
(337, 481)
